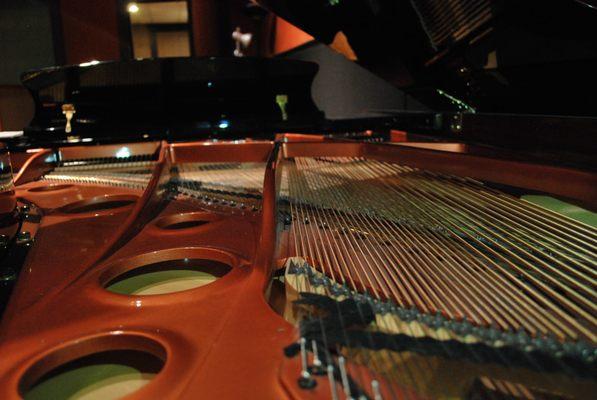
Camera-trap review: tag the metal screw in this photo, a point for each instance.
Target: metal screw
(23, 237)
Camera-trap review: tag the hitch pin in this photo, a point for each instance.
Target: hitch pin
(332, 382)
(344, 376)
(317, 368)
(376, 390)
(305, 381)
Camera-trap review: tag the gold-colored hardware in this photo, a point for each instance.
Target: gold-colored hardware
(69, 111)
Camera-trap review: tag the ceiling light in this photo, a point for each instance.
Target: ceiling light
(133, 8)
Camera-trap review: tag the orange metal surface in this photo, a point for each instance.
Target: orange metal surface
(33, 168)
(221, 152)
(109, 150)
(60, 310)
(221, 341)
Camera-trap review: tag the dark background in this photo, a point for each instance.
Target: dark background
(41, 33)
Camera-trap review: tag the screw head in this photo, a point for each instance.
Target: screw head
(307, 383)
(23, 237)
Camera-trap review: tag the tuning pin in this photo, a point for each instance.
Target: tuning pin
(317, 367)
(305, 381)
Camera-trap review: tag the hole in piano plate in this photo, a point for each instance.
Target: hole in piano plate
(185, 220)
(49, 188)
(184, 225)
(99, 203)
(105, 367)
(168, 277)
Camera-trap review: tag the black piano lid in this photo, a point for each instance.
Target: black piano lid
(515, 74)
(171, 97)
(504, 65)
(497, 56)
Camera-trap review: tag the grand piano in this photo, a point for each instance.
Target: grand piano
(196, 228)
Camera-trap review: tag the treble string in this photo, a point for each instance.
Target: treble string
(322, 216)
(444, 245)
(448, 250)
(352, 169)
(346, 251)
(340, 196)
(447, 220)
(306, 217)
(530, 359)
(422, 265)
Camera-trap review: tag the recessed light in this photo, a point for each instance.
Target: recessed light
(133, 8)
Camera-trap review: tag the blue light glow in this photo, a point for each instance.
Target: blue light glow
(224, 124)
(51, 158)
(124, 152)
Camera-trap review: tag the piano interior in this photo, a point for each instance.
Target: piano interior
(416, 256)
(339, 272)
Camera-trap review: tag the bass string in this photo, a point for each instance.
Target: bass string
(531, 360)
(357, 214)
(555, 297)
(324, 174)
(371, 252)
(320, 254)
(419, 206)
(574, 230)
(418, 261)
(514, 228)
(335, 245)
(306, 249)
(483, 227)
(447, 248)
(527, 220)
(406, 262)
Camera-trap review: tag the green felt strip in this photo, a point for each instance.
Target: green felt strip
(569, 210)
